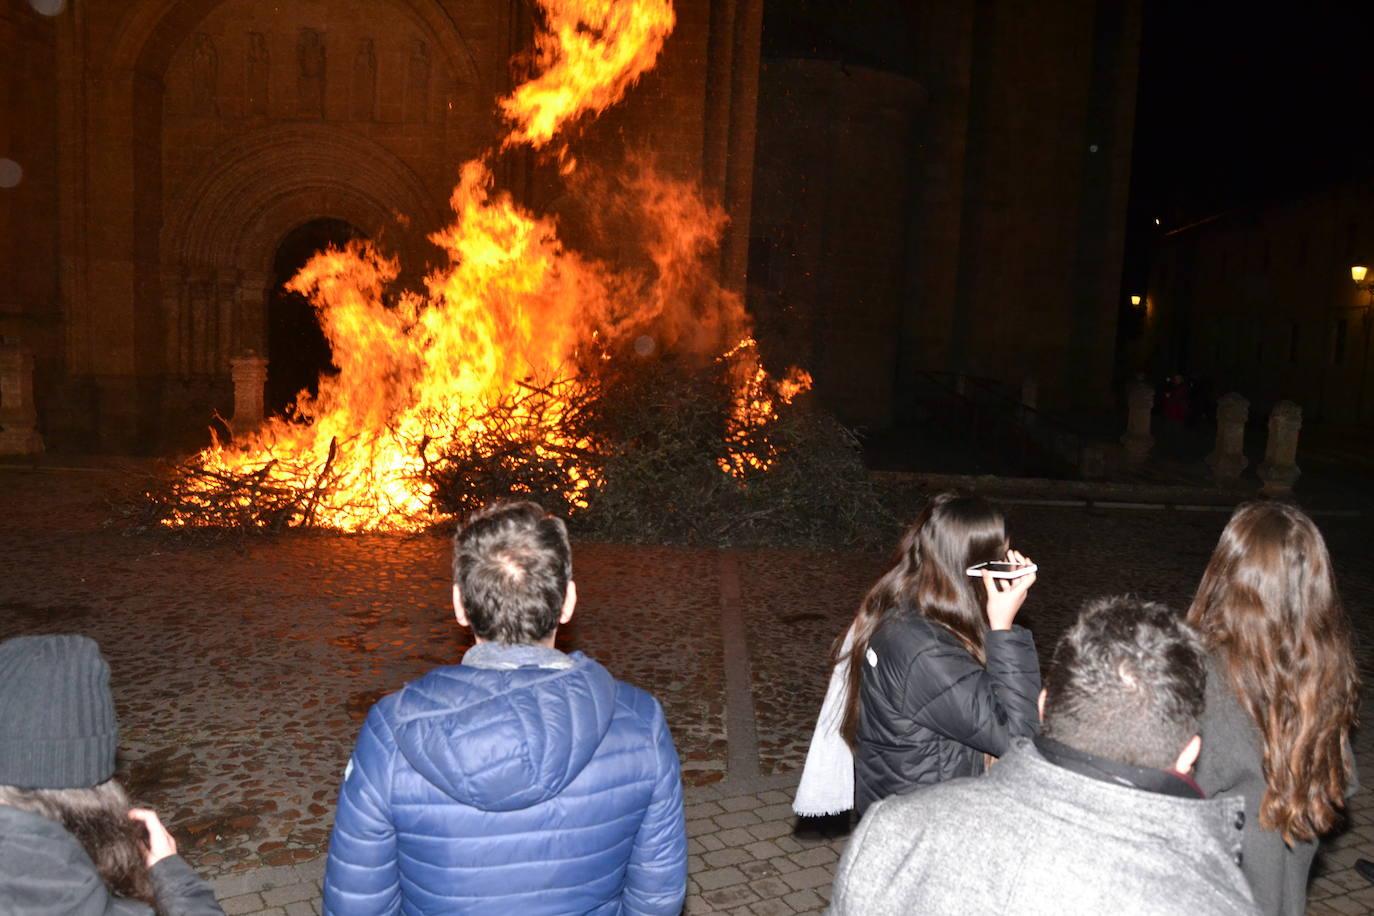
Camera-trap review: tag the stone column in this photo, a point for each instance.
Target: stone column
(1137, 440)
(1228, 457)
(250, 377)
(1280, 469)
(18, 435)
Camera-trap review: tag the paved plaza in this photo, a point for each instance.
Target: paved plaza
(242, 667)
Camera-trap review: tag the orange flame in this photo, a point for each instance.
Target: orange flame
(591, 53)
(512, 303)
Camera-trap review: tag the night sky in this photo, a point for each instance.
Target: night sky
(1240, 105)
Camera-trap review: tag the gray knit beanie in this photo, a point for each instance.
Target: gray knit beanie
(57, 718)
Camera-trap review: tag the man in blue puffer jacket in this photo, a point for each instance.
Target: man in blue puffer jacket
(522, 781)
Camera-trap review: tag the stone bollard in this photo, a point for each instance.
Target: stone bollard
(1137, 441)
(18, 435)
(1228, 457)
(1280, 468)
(250, 378)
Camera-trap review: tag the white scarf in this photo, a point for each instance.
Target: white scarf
(827, 780)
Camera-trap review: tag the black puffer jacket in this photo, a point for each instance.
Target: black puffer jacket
(928, 710)
(44, 871)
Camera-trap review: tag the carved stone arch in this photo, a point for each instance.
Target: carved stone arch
(151, 31)
(222, 229)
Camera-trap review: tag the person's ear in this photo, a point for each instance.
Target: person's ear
(1040, 703)
(569, 602)
(1188, 756)
(458, 612)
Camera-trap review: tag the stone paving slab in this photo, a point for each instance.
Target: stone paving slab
(242, 669)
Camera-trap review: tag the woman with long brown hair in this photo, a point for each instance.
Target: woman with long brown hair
(1282, 694)
(930, 679)
(69, 840)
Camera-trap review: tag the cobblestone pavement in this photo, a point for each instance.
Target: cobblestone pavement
(242, 668)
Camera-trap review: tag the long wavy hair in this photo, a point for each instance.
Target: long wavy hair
(1268, 608)
(928, 578)
(99, 818)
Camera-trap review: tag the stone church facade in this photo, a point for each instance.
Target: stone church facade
(169, 146)
(965, 215)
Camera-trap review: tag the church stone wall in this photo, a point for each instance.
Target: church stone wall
(29, 305)
(192, 136)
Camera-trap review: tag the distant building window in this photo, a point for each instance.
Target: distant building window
(1338, 342)
(1294, 340)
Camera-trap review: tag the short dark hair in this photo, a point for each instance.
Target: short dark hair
(512, 564)
(1127, 683)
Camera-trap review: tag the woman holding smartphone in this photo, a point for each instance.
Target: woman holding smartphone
(1282, 694)
(939, 678)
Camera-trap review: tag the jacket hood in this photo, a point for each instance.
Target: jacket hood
(504, 739)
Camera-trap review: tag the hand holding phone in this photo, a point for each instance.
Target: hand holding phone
(1006, 595)
(1000, 569)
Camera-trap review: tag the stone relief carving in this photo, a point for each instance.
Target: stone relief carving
(257, 74)
(209, 317)
(363, 105)
(417, 82)
(204, 76)
(310, 74)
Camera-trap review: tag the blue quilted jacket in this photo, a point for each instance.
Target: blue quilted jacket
(511, 790)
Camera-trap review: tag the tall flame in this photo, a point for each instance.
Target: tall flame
(512, 303)
(591, 52)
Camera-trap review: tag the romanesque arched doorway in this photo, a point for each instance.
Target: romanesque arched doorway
(297, 351)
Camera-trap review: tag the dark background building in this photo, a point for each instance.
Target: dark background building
(1250, 202)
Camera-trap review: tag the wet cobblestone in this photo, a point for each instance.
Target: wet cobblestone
(242, 669)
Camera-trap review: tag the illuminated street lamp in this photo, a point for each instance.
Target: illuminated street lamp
(1135, 301)
(1358, 273)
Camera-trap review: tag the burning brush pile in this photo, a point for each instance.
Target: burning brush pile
(625, 394)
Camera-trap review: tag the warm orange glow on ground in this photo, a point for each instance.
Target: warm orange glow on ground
(512, 305)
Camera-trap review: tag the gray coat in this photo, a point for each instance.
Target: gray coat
(44, 870)
(1231, 765)
(1033, 838)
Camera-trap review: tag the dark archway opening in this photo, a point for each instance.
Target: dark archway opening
(297, 351)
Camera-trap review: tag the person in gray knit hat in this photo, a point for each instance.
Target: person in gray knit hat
(69, 840)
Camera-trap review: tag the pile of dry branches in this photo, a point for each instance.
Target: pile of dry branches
(191, 495)
(640, 450)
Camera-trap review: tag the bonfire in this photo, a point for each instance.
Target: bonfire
(501, 350)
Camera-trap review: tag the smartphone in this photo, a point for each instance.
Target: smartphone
(1001, 570)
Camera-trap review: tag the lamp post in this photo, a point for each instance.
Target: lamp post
(1358, 273)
